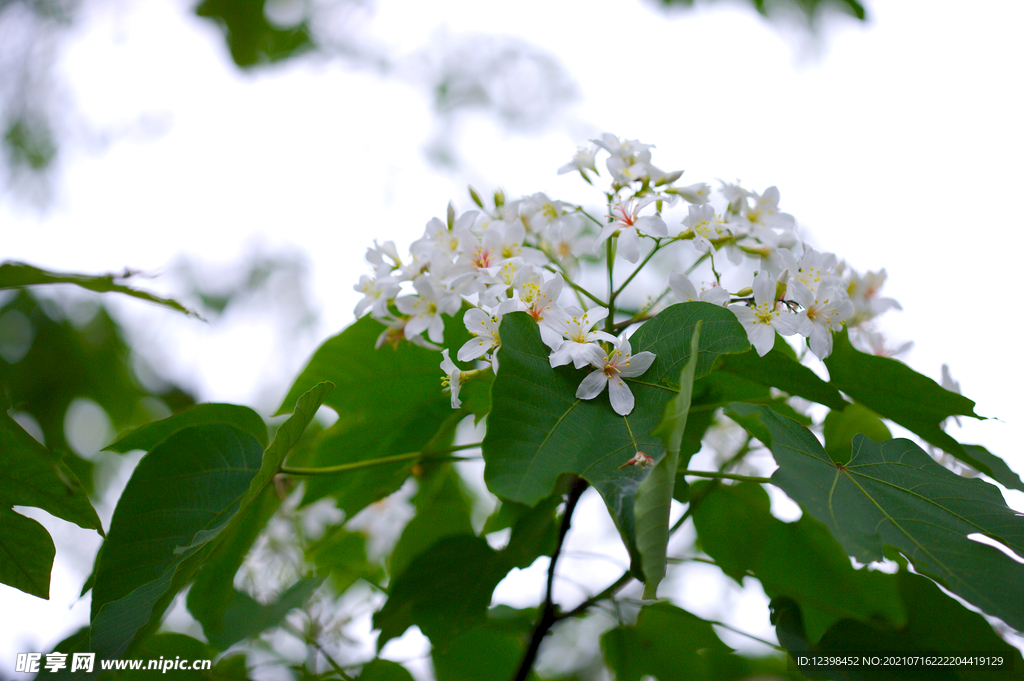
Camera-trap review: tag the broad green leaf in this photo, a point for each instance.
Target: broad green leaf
(213, 588)
(384, 670)
(445, 590)
(800, 560)
(480, 654)
(893, 390)
(992, 466)
(534, 534)
(442, 509)
(288, 434)
(343, 553)
(32, 476)
(894, 494)
(243, 617)
(935, 624)
(150, 435)
(226, 614)
(389, 401)
(20, 275)
(26, 554)
(371, 380)
(654, 496)
(182, 493)
(538, 430)
(841, 426)
(668, 643)
(780, 369)
(166, 649)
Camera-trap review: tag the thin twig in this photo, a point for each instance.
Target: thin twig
(405, 456)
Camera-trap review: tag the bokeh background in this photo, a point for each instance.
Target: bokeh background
(242, 155)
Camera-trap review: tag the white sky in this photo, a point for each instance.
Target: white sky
(895, 144)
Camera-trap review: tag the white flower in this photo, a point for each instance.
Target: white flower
(483, 328)
(452, 378)
(685, 292)
(626, 221)
(582, 161)
(765, 318)
(706, 226)
(574, 335)
(377, 292)
(611, 368)
(695, 193)
(425, 310)
(823, 314)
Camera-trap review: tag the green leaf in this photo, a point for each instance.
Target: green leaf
(384, 670)
(935, 624)
(668, 643)
(480, 654)
(213, 588)
(841, 426)
(150, 435)
(243, 617)
(799, 560)
(26, 554)
(991, 465)
(442, 509)
(445, 590)
(538, 430)
(780, 369)
(32, 476)
(168, 648)
(894, 494)
(344, 554)
(182, 493)
(20, 275)
(389, 401)
(654, 496)
(895, 391)
(288, 434)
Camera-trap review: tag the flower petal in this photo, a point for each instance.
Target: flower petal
(620, 395)
(592, 385)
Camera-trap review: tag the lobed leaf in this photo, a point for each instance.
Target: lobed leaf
(894, 494)
(538, 430)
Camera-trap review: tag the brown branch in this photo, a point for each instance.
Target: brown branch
(548, 616)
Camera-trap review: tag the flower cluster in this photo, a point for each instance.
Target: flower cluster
(524, 255)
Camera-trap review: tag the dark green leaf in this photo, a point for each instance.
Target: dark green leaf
(991, 465)
(213, 588)
(442, 509)
(480, 654)
(26, 554)
(800, 560)
(389, 401)
(150, 435)
(288, 434)
(19, 275)
(780, 369)
(895, 391)
(384, 670)
(445, 590)
(841, 426)
(167, 649)
(668, 643)
(31, 476)
(243, 617)
(935, 624)
(252, 39)
(534, 534)
(181, 495)
(893, 493)
(344, 554)
(538, 430)
(654, 496)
